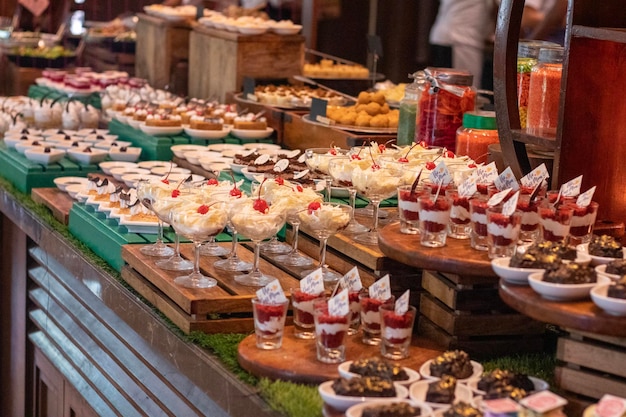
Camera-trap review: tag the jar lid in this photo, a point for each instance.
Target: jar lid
(452, 76)
(480, 120)
(551, 55)
(530, 48)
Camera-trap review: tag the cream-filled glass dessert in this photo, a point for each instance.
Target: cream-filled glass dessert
(502, 232)
(317, 159)
(147, 193)
(434, 213)
(197, 222)
(340, 169)
(555, 221)
(324, 220)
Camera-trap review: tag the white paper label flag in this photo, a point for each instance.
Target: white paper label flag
(487, 173)
(380, 290)
(339, 305)
(611, 406)
(313, 283)
(272, 293)
(353, 280)
(572, 187)
(585, 198)
(535, 177)
(402, 303)
(440, 175)
(262, 159)
(498, 197)
(543, 401)
(468, 186)
(509, 206)
(506, 180)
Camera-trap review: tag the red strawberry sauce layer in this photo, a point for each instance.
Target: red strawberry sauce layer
(460, 202)
(412, 197)
(265, 312)
(331, 340)
(503, 221)
(303, 316)
(397, 321)
(353, 297)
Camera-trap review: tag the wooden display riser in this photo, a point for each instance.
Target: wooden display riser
(59, 202)
(101, 58)
(591, 365)
(465, 312)
(14, 80)
(225, 58)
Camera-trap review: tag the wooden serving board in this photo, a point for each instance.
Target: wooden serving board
(59, 202)
(296, 360)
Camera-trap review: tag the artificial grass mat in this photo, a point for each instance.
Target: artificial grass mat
(289, 399)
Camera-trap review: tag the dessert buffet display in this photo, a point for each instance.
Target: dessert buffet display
(83, 81)
(292, 96)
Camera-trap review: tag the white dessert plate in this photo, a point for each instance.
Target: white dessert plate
(259, 146)
(219, 147)
(538, 384)
(63, 182)
(134, 123)
(613, 306)
(165, 170)
(563, 292)
(476, 367)
(343, 402)
(119, 172)
(596, 260)
(15, 140)
(130, 154)
(138, 227)
(344, 371)
(152, 164)
(58, 132)
(251, 30)
(72, 145)
(510, 274)
(111, 144)
(160, 130)
(601, 270)
(131, 179)
(193, 157)
(38, 154)
(252, 134)
(100, 138)
(207, 134)
(87, 132)
(95, 156)
(21, 147)
(418, 390)
(237, 168)
(62, 138)
(179, 150)
(75, 190)
(107, 166)
(357, 410)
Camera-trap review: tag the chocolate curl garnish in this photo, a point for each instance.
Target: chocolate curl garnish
(414, 185)
(535, 192)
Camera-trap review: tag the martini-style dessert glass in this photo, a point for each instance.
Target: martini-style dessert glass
(340, 170)
(147, 193)
(317, 159)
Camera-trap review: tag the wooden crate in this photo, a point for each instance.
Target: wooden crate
(591, 365)
(59, 202)
(161, 46)
(224, 58)
(101, 58)
(298, 134)
(14, 80)
(465, 312)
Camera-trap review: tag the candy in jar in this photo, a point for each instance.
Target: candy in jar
(544, 93)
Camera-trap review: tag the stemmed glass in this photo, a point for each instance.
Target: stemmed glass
(324, 220)
(163, 207)
(376, 183)
(317, 160)
(232, 263)
(197, 222)
(340, 170)
(293, 258)
(147, 192)
(256, 226)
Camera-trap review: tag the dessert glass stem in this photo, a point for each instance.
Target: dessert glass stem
(296, 229)
(233, 248)
(257, 256)
(329, 182)
(196, 260)
(323, 241)
(376, 203)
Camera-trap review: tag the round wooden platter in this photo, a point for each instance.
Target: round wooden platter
(296, 360)
(456, 257)
(581, 315)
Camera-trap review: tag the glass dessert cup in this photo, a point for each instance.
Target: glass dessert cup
(275, 246)
(478, 220)
(459, 226)
(434, 219)
(269, 323)
(376, 184)
(190, 221)
(145, 194)
(324, 222)
(370, 317)
(317, 159)
(396, 332)
(408, 211)
(164, 207)
(303, 321)
(355, 312)
(294, 258)
(330, 333)
(581, 227)
(233, 263)
(256, 226)
(502, 232)
(340, 170)
(555, 222)
(530, 229)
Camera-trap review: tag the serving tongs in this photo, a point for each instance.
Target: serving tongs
(322, 86)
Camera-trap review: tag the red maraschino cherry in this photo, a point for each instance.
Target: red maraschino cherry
(175, 193)
(313, 206)
(430, 165)
(165, 180)
(424, 145)
(259, 204)
(212, 181)
(279, 180)
(448, 154)
(235, 192)
(203, 209)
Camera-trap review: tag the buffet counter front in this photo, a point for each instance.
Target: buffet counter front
(75, 341)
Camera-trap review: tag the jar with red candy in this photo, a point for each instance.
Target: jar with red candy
(443, 100)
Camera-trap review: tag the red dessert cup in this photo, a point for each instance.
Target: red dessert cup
(269, 323)
(370, 317)
(396, 332)
(303, 308)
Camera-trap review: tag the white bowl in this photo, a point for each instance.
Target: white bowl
(418, 390)
(476, 367)
(237, 168)
(87, 132)
(562, 292)
(160, 131)
(131, 179)
(175, 178)
(216, 167)
(111, 144)
(139, 227)
(63, 182)
(119, 172)
(250, 176)
(58, 132)
(613, 306)
(343, 402)
(100, 138)
(152, 164)
(179, 150)
(76, 190)
(252, 134)
(130, 154)
(287, 30)
(164, 170)
(86, 158)
(538, 384)
(251, 30)
(75, 144)
(357, 410)
(22, 147)
(510, 274)
(601, 270)
(206, 162)
(218, 147)
(38, 154)
(107, 166)
(193, 157)
(207, 134)
(15, 140)
(596, 260)
(259, 146)
(344, 371)
(63, 138)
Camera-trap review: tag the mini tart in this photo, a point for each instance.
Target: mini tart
(205, 123)
(250, 125)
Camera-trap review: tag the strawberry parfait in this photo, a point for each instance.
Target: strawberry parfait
(396, 331)
(304, 323)
(582, 223)
(434, 213)
(529, 230)
(459, 226)
(330, 331)
(408, 209)
(269, 323)
(502, 231)
(478, 219)
(370, 317)
(555, 222)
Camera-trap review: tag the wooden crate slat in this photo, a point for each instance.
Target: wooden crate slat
(579, 335)
(597, 357)
(59, 202)
(587, 383)
(462, 297)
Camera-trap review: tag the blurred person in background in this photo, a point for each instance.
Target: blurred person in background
(545, 20)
